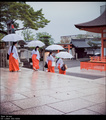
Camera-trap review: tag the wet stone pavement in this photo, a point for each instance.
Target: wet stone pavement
(38, 92)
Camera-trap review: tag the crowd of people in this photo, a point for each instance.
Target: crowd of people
(50, 61)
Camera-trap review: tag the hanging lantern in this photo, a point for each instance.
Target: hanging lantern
(12, 30)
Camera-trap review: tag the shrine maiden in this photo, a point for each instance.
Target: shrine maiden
(62, 69)
(35, 58)
(13, 58)
(59, 62)
(50, 61)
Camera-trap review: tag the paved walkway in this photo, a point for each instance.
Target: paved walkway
(38, 92)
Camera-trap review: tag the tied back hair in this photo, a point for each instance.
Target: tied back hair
(36, 47)
(64, 67)
(13, 46)
(57, 60)
(50, 53)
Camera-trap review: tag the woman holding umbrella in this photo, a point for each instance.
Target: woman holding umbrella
(13, 58)
(62, 69)
(59, 61)
(61, 66)
(35, 58)
(50, 61)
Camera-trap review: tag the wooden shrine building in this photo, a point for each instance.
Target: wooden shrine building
(97, 25)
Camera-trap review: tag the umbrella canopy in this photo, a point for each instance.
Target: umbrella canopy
(35, 43)
(54, 47)
(64, 55)
(12, 38)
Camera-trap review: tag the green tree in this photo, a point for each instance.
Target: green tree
(21, 11)
(1, 36)
(93, 45)
(45, 37)
(27, 34)
(65, 41)
(79, 36)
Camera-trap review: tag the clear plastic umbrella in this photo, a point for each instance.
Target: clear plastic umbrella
(35, 43)
(54, 47)
(12, 38)
(64, 55)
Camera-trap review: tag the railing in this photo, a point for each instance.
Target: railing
(97, 58)
(95, 63)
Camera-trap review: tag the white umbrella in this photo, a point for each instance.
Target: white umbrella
(97, 53)
(12, 38)
(64, 55)
(54, 47)
(35, 43)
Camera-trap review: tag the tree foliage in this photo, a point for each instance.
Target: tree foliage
(45, 37)
(93, 45)
(64, 41)
(21, 11)
(27, 34)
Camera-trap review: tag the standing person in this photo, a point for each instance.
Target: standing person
(35, 58)
(62, 69)
(59, 61)
(50, 60)
(13, 58)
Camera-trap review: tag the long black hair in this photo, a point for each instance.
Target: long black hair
(13, 46)
(57, 60)
(50, 53)
(36, 47)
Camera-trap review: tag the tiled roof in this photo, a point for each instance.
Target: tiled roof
(98, 22)
(80, 43)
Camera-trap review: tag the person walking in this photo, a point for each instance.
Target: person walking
(59, 61)
(50, 61)
(61, 66)
(13, 58)
(35, 58)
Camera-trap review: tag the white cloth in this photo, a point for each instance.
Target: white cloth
(50, 58)
(37, 53)
(61, 65)
(14, 51)
(60, 61)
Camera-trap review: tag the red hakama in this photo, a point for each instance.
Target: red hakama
(61, 71)
(13, 63)
(35, 62)
(50, 67)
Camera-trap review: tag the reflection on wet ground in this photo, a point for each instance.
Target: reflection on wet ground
(39, 92)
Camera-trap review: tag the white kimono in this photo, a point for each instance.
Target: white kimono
(50, 58)
(37, 53)
(14, 51)
(60, 61)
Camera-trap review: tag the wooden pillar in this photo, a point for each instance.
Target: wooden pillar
(102, 47)
(58, 51)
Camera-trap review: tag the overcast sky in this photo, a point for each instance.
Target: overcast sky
(63, 16)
